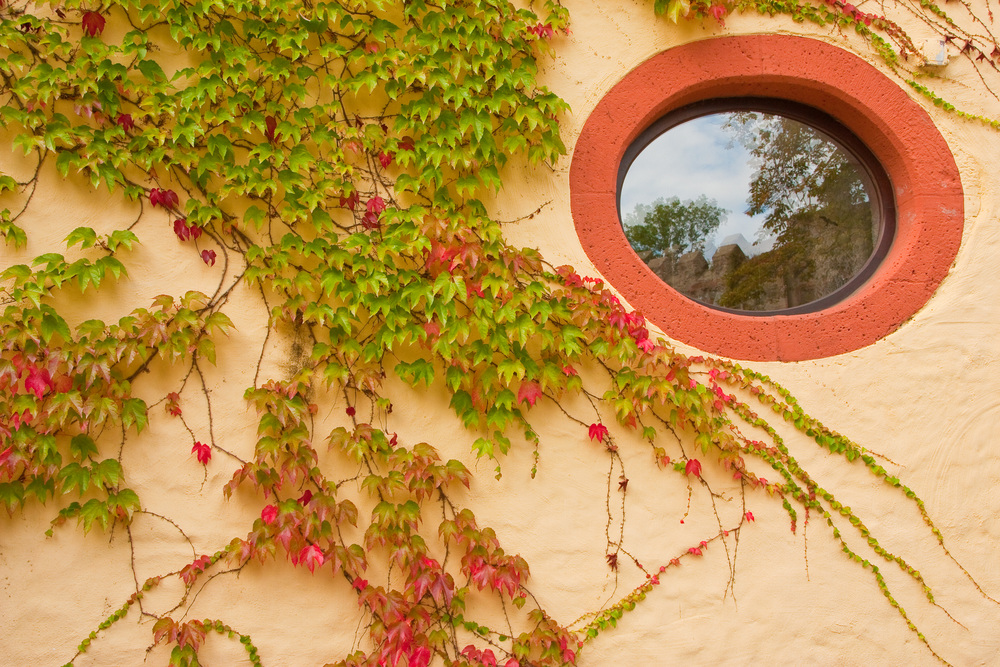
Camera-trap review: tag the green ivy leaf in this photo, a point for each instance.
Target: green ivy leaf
(75, 476)
(134, 414)
(82, 446)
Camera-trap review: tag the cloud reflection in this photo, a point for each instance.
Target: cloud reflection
(698, 157)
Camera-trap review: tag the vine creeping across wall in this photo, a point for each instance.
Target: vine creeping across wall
(328, 157)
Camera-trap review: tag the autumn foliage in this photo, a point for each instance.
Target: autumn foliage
(329, 159)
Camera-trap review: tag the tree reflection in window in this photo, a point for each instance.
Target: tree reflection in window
(808, 226)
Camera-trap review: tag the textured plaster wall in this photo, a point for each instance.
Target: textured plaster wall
(926, 396)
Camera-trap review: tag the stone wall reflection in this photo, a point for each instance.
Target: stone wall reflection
(816, 257)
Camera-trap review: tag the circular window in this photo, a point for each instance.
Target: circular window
(899, 162)
(755, 205)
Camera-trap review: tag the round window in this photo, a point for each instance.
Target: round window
(871, 268)
(751, 205)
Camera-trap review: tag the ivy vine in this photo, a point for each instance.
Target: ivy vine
(331, 157)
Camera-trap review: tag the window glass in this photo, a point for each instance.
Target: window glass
(751, 210)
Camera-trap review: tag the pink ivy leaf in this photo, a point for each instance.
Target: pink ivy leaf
(38, 381)
(718, 12)
(92, 23)
(529, 393)
(203, 452)
(284, 537)
(208, 256)
(695, 551)
(312, 557)
(749, 516)
(269, 514)
(693, 467)
(191, 571)
(420, 657)
(598, 432)
(543, 31)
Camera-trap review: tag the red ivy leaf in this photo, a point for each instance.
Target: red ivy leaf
(92, 23)
(181, 229)
(164, 198)
(208, 256)
(622, 483)
(598, 432)
(173, 404)
(612, 561)
(385, 159)
(749, 516)
(529, 393)
(269, 514)
(351, 411)
(61, 384)
(693, 467)
(432, 331)
(472, 287)
(203, 452)
(270, 125)
(125, 121)
(350, 201)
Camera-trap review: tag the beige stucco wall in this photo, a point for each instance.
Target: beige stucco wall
(927, 397)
